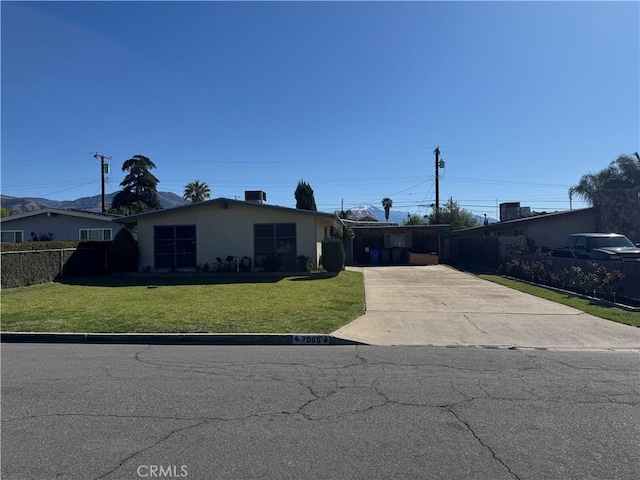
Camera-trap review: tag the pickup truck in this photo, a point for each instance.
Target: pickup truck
(599, 246)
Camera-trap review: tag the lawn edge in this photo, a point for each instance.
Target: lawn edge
(556, 296)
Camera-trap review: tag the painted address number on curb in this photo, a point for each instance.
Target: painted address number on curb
(311, 340)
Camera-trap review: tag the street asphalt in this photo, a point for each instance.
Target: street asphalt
(122, 412)
(438, 305)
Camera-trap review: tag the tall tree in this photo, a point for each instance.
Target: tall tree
(139, 192)
(387, 203)
(414, 220)
(196, 191)
(5, 212)
(623, 172)
(304, 197)
(452, 214)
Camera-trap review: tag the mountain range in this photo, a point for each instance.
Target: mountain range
(168, 199)
(88, 204)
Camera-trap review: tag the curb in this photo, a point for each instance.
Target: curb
(175, 339)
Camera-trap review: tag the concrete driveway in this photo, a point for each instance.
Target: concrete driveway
(438, 305)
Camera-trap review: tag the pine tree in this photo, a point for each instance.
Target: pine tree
(139, 192)
(304, 197)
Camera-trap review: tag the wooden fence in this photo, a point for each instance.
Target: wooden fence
(476, 251)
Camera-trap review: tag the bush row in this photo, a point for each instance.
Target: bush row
(32, 264)
(594, 280)
(29, 246)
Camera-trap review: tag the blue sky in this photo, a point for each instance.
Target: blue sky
(521, 98)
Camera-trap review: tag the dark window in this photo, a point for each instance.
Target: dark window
(175, 246)
(397, 240)
(275, 240)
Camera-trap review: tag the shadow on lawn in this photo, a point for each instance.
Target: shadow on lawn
(172, 279)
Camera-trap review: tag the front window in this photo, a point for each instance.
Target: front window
(397, 240)
(95, 234)
(12, 236)
(275, 241)
(174, 246)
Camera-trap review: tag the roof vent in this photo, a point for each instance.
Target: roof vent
(255, 196)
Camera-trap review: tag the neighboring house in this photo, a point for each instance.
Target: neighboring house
(545, 229)
(57, 225)
(191, 235)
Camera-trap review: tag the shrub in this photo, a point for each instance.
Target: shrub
(333, 255)
(539, 272)
(611, 283)
(271, 263)
(305, 264)
(123, 254)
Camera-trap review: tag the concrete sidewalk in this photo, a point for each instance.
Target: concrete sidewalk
(438, 305)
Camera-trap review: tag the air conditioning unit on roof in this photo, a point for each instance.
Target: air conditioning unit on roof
(255, 196)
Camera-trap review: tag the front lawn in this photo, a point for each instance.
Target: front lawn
(187, 304)
(609, 313)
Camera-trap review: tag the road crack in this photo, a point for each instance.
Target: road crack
(493, 454)
(474, 324)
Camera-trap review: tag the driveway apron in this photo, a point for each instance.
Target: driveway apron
(438, 305)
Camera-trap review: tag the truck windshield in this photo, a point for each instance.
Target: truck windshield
(602, 242)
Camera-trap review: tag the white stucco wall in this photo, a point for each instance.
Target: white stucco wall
(226, 231)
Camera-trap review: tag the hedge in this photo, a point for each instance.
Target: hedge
(33, 263)
(28, 246)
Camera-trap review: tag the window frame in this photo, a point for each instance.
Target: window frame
(393, 240)
(21, 232)
(282, 233)
(88, 230)
(175, 247)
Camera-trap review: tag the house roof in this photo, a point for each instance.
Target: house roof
(59, 211)
(134, 218)
(518, 221)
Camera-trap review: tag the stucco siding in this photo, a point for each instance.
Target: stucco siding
(224, 229)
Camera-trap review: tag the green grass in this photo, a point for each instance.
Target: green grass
(193, 304)
(609, 313)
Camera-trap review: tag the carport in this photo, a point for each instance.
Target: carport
(394, 244)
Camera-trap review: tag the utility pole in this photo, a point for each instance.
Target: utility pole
(570, 199)
(102, 157)
(437, 152)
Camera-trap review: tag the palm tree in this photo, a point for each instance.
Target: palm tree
(623, 172)
(387, 203)
(196, 191)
